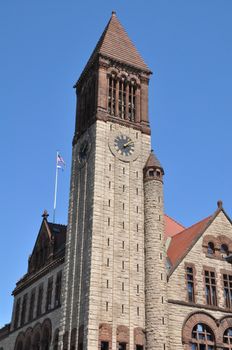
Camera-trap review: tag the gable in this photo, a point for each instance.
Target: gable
(182, 243)
(49, 244)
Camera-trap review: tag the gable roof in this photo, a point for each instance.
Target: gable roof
(116, 44)
(182, 242)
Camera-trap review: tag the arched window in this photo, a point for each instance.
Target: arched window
(122, 99)
(202, 338)
(112, 95)
(210, 248)
(132, 97)
(224, 250)
(227, 339)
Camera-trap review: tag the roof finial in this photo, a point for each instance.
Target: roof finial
(45, 214)
(113, 13)
(219, 204)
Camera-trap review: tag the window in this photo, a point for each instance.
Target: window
(202, 338)
(49, 294)
(58, 289)
(122, 99)
(131, 106)
(121, 346)
(17, 310)
(190, 284)
(24, 308)
(224, 250)
(227, 283)
(210, 248)
(32, 305)
(139, 347)
(227, 339)
(210, 288)
(39, 301)
(112, 95)
(104, 345)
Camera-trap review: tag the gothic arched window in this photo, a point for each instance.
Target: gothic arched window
(202, 338)
(210, 248)
(227, 339)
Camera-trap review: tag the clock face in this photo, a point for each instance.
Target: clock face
(124, 145)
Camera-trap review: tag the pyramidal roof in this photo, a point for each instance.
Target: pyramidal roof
(116, 44)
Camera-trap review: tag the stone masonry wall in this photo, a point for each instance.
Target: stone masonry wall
(177, 291)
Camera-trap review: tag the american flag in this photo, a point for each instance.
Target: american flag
(60, 163)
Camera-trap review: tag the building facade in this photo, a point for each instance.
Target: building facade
(122, 274)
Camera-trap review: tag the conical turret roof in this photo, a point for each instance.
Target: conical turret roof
(116, 44)
(153, 162)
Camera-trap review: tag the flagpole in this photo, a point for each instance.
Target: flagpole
(56, 184)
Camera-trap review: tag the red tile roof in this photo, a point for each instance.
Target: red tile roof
(182, 242)
(171, 227)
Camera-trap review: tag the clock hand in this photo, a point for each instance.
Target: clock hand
(127, 144)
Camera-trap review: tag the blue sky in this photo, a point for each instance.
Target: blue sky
(44, 46)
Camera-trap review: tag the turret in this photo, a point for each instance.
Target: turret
(155, 270)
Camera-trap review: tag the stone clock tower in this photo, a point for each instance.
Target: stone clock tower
(104, 290)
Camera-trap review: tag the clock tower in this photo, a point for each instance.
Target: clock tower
(104, 282)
